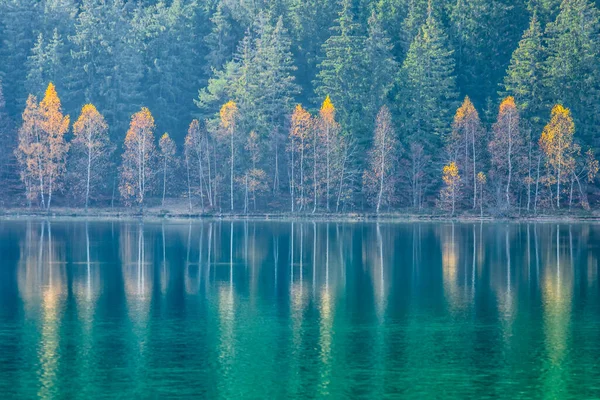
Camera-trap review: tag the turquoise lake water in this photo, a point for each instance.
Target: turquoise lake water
(280, 310)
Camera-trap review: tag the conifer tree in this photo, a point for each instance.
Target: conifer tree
(342, 75)
(572, 72)
(428, 85)
(381, 67)
(524, 77)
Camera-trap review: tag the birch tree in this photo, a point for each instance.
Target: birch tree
(167, 149)
(300, 129)
(138, 158)
(467, 129)
(378, 179)
(329, 131)
(92, 149)
(54, 125)
(558, 147)
(506, 147)
(451, 190)
(229, 116)
(30, 153)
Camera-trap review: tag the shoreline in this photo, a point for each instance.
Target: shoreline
(398, 216)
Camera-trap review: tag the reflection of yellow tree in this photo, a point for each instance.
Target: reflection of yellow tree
(325, 341)
(557, 298)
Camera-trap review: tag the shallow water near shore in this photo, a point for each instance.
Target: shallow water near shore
(282, 309)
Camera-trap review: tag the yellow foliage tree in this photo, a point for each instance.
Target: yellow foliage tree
(42, 149)
(466, 133)
(300, 129)
(91, 146)
(30, 152)
(328, 130)
(558, 147)
(451, 178)
(54, 125)
(138, 157)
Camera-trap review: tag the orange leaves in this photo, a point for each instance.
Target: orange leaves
(229, 114)
(327, 111)
(53, 121)
(136, 170)
(508, 105)
(465, 112)
(557, 136)
(90, 121)
(301, 123)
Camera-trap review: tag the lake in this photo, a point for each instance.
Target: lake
(278, 310)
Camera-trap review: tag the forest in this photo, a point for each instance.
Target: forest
(482, 107)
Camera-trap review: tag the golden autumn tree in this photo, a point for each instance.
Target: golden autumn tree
(506, 147)
(167, 149)
(229, 115)
(138, 158)
(451, 189)
(54, 126)
(91, 148)
(300, 129)
(467, 132)
(30, 152)
(328, 130)
(558, 147)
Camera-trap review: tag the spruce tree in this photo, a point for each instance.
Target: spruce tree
(524, 75)
(427, 94)
(572, 72)
(381, 66)
(342, 75)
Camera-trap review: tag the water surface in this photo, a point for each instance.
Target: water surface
(299, 310)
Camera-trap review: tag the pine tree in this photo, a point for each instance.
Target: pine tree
(428, 85)
(381, 66)
(524, 77)
(342, 75)
(18, 18)
(572, 72)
